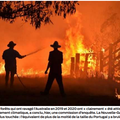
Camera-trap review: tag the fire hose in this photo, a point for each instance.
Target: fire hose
(35, 51)
(20, 81)
(28, 55)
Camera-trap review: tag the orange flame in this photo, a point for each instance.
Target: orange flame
(74, 44)
(28, 72)
(103, 49)
(116, 94)
(2, 69)
(31, 73)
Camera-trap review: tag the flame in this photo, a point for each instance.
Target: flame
(2, 68)
(116, 94)
(31, 72)
(103, 49)
(28, 72)
(74, 44)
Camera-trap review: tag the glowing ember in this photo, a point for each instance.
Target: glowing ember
(116, 93)
(103, 50)
(2, 68)
(31, 72)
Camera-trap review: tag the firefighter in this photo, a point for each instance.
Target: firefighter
(10, 56)
(55, 61)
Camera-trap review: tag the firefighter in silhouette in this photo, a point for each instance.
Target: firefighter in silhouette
(55, 61)
(10, 56)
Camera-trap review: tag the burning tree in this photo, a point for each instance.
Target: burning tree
(78, 56)
(110, 29)
(37, 12)
(110, 35)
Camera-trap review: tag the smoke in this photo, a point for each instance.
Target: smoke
(28, 39)
(95, 14)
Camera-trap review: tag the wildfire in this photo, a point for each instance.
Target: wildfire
(29, 72)
(74, 44)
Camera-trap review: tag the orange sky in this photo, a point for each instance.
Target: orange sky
(28, 39)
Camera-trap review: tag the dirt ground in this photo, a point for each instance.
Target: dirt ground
(78, 92)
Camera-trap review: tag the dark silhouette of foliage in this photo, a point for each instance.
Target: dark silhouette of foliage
(37, 12)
